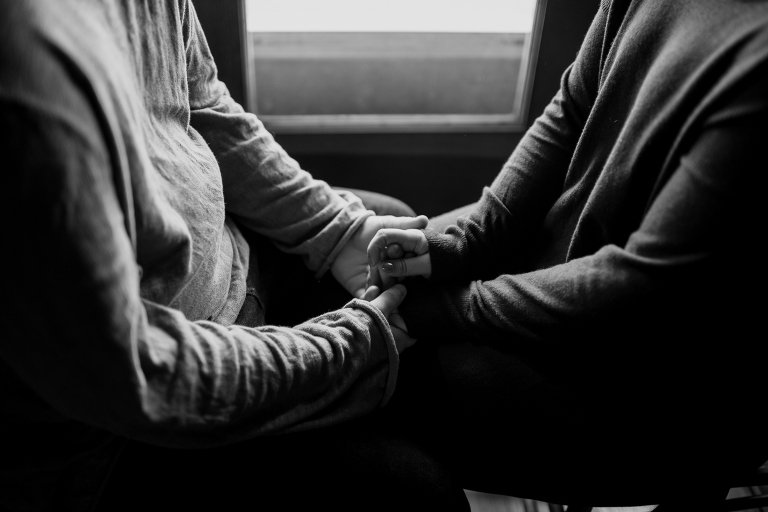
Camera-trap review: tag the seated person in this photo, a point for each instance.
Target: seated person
(143, 207)
(594, 319)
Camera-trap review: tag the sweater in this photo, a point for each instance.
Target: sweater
(618, 237)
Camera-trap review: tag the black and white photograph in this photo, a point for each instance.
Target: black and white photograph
(354, 255)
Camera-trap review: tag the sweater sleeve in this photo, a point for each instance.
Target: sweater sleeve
(77, 332)
(493, 238)
(690, 260)
(264, 188)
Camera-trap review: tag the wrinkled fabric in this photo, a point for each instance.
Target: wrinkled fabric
(127, 164)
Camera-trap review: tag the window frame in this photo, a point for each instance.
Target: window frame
(563, 28)
(410, 123)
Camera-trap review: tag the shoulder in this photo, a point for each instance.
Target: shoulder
(38, 74)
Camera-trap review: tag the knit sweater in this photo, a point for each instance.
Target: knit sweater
(618, 236)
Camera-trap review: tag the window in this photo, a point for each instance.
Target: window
(401, 65)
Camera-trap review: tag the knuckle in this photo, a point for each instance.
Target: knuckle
(395, 251)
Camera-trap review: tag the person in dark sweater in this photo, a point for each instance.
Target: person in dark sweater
(596, 313)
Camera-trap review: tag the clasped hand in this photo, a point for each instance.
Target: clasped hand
(396, 253)
(352, 268)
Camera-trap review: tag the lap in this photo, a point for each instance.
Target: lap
(559, 440)
(504, 426)
(385, 461)
(357, 466)
(389, 460)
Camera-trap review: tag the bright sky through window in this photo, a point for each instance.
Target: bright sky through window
(474, 16)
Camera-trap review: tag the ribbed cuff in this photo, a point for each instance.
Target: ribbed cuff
(445, 255)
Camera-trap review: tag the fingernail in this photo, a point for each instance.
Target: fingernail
(387, 268)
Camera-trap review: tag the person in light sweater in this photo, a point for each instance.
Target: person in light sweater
(164, 295)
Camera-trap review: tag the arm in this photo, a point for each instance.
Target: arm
(264, 188)
(678, 274)
(76, 331)
(493, 239)
(267, 191)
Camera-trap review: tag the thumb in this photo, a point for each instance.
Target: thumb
(416, 266)
(390, 299)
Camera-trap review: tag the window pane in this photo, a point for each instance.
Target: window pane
(500, 16)
(396, 58)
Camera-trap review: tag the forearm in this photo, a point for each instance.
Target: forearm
(494, 238)
(172, 382)
(682, 262)
(218, 385)
(539, 310)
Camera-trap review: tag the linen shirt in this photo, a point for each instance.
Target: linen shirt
(126, 163)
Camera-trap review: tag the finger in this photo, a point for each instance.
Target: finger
(388, 301)
(397, 321)
(409, 240)
(418, 266)
(387, 281)
(402, 340)
(419, 222)
(394, 252)
(371, 293)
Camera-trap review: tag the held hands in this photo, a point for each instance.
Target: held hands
(387, 303)
(351, 265)
(357, 261)
(395, 253)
